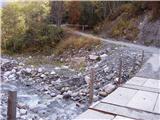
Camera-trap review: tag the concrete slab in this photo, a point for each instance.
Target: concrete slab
(120, 96)
(94, 115)
(142, 88)
(122, 118)
(127, 112)
(152, 83)
(143, 100)
(137, 81)
(157, 106)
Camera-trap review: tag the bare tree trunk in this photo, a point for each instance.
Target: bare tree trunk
(57, 9)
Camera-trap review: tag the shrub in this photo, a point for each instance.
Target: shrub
(25, 27)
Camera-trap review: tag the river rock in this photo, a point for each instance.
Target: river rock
(28, 70)
(87, 79)
(95, 98)
(109, 88)
(93, 57)
(23, 111)
(40, 70)
(106, 69)
(53, 73)
(43, 75)
(102, 93)
(66, 95)
(52, 94)
(103, 56)
(13, 70)
(6, 74)
(65, 67)
(116, 80)
(74, 94)
(12, 76)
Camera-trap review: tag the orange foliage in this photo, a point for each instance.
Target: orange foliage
(74, 12)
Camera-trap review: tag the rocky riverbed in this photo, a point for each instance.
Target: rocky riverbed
(60, 92)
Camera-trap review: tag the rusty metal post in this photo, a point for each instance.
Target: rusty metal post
(91, 83)
(12, 100)
(120, 71)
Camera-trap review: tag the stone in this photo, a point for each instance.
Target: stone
(13, 70)
(21, 64)
(93, 57)
(59, 96)
(95, 98)
(24, 117)
(23, 111)
(74, 94)
(65, 67)
(57, 68)
(28, 70)
(18, 114)
(109, 88)
(32, 66)
(102, 93)
(11, 76)
(43, 75)
(96, 66)
(79, 74)
(6, 74)
(45, 88)
(116, 80)
(69, 92)
(87, 79)
(53, 73)
(53, 94)
(65, 89)
(66, 95)
(106, 69)
(40, 70)
(103, 56)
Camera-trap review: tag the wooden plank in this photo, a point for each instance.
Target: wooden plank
(122, 118)
(142, 88)
(157, 105)
(152, 83)
(126, 111)
(143, 100)
(120, 96)
(137, 81)
(94, 115)
(12, 99)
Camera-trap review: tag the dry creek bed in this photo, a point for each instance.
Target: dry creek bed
(50, 92)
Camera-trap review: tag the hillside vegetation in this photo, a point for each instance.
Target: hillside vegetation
(135, 22)
(36, 26)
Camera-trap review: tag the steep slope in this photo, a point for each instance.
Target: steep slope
(133, 24)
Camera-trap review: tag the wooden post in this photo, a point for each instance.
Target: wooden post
(142, 58)
(83, 27)
(134, 64)
(120, 71)
(91, 83)
(12, 99)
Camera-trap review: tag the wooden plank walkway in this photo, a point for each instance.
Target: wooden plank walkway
(137, 99)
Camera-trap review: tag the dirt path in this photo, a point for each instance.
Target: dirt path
(145, 48)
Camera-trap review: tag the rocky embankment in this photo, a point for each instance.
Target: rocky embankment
(61, 93)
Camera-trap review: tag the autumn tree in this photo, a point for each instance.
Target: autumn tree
(74, 12)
